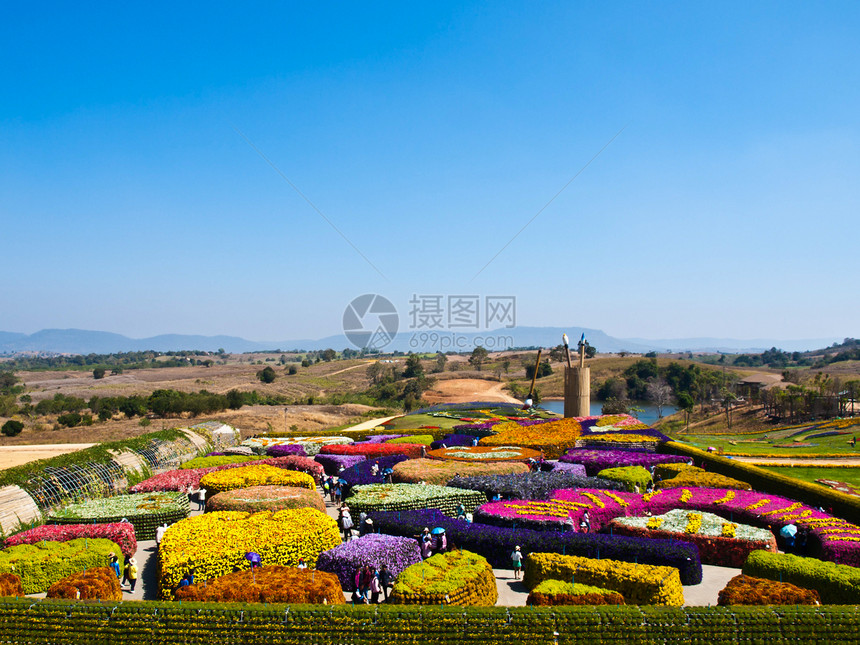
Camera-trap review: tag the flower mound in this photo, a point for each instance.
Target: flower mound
(622, 440)
(180, 480)
(268, 584)
(362, 473)
(422, 439)
(373, 450)
(405, 497)
(536, 485)
(640, 584)
(431, 471)
(211, 462)
(249, 476)
(265, 498)
(746, 590)
(146, 511)
(333, 463)
(632, 477)
(10, 585)
(552, 438)
(702, 479)
(565, 507)
(285, 450)
(485, 453)
(597, 460)
(453, 440)
(558, 592)
(454, 578)
(120, 532)
(374, 550)
(97, 583)
(720, 542)
(213, 544)
(41, 565)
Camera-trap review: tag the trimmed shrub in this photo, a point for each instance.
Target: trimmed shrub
(537, 485)
(433, 471)
(746, 590)
(485, 454)
(670, 470)
(640, 584)
(333, 463)
(496, 543)
(96, 583)
(362, 473)
(374, 450)
(214, 544)
(122, 533)
(702, 479)
(265, 498)
(622, 441)
(145, 511)
(558, 592)
(374, 550)
(454, 578)
(836, 584)
(273, 583)
(223, 460)
(10, 585)
(632, 477)
(42, 564)
(423, 439)
(407, 497)
(310, 444)
(248, 476)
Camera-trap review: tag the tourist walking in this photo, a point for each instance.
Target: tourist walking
(132, 574)
(201, 499)
(517, 560)
(375, 587)
(384, 580)
(114, 564)
(345, 521)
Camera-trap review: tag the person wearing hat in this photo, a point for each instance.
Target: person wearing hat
(366, 527)
(426, 543)
(132, 574)
(517, 559)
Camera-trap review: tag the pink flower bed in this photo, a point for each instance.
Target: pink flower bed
(603, 506)
(374, 450)
(180, 480)
(122, 533)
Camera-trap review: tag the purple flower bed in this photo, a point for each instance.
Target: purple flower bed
(216, 454)
(537, 485)
(453, 441)
(596, 460)
(374, 550)
(332, 463)
(360, 474)
(285, 450)
(496, 543)
(382, 438)
(476, 429)
(573, 469)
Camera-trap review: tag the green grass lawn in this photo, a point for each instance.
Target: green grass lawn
(850, 476)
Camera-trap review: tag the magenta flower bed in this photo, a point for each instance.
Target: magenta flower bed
(285, 450)
(373, 450)
(180, 480)
(597, 460)
(332, 463)
(569, 503)
(122, 533)
(373, 549)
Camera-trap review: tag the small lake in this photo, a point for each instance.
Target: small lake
(648, 414)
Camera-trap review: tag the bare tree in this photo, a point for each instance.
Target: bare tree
(659, 393)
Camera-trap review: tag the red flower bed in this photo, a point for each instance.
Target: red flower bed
(719, 551)
(122, 533)
(374, 450)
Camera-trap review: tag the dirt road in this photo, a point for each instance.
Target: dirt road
(465, 390)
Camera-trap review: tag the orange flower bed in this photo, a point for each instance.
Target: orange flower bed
(96, 583)
(268, 584)
(10, 585)
(553, 438)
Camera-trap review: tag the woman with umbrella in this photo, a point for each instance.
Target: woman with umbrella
(788, 532)
(254, 559)
(440, 540)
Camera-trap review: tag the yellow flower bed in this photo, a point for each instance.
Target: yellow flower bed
(247, 476)
(215, 544)
(694, 523)
(553, 438)
(640, 584)
(454, 578)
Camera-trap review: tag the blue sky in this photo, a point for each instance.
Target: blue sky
(429, 135)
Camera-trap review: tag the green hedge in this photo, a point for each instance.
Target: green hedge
(219, 460)
(630, 476)
(42, 564)
(150, 623)
(844, 506)
(835, 583)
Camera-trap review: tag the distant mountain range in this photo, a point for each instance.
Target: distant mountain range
(80, 341)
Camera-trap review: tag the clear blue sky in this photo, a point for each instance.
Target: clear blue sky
(429, 135)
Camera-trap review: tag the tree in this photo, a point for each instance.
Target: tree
(267, 374)
(441, 359)
(12, 428)
(590, 352)
(558, 353)
(659, 393)
(7, 381)
(413, 366)
(292, 369)
(686, 403)
(506, 365)
(544, 369)
(616, 406)
(98, 373)
(329, 355)
(116, 370)
(478, 357)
